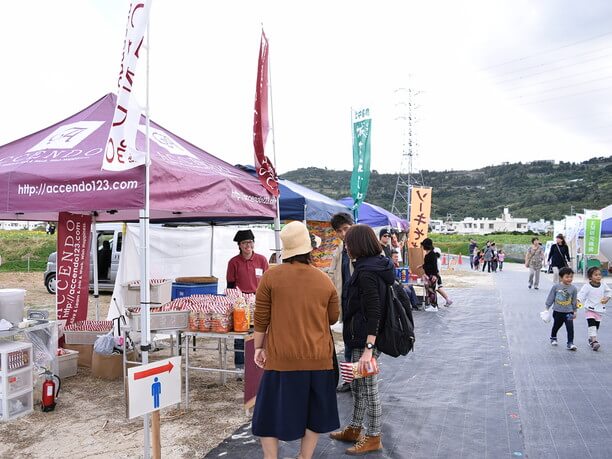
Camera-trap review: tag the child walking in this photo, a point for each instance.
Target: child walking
(563, 299)
(501, 256)
(594, 296)
(477, 259)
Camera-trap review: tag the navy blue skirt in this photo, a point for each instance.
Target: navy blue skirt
(289, 402)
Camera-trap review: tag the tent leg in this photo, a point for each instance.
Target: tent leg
(94, 257)
(212, 245)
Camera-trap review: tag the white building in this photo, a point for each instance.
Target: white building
(438, 226)
(505, 224)
(541, 226)
(20, 225)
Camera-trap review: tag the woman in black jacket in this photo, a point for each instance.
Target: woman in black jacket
(364, 313)
(558, 257)
(433, 281)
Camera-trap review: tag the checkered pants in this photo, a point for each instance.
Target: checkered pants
(365, 398)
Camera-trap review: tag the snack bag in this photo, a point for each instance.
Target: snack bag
(350, 371)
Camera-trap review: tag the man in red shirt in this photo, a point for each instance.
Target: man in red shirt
(244, 272)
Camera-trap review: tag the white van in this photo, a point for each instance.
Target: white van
(111, 232)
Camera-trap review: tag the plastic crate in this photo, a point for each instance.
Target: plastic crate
(83, 337)
(68, 363)
(160, 293)
(16, 382)
(183, 290)
(163, 320)
(17, 406)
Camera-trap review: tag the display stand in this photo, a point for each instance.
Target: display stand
(16, 387)
(222, 339)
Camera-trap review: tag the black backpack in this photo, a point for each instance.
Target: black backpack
(396, 334)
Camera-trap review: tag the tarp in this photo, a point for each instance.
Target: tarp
(59, 169)
(373, 215)
(300, 203)
(314, 206)
(180, 252)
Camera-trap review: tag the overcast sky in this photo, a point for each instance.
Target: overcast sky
(507, 80)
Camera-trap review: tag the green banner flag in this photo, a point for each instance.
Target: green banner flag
(592, 232)
(362, 124)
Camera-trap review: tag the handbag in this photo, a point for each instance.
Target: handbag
(565, 264)
(546, 315)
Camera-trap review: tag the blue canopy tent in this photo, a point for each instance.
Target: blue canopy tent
(300, 203)
(606, 228)
(373, 215)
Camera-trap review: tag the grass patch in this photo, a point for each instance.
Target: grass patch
(459, 243)
(17, 246)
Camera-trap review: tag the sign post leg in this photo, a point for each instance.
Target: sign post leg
(155, 435)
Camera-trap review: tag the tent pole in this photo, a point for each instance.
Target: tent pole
(145, 296)
(212, 245)
(277, 225)
(94, 257)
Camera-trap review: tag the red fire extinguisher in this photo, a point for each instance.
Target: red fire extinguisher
(49, 392)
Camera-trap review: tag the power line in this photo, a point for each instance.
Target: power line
(564, 87)
(547, 51)
(562, 77)
(567, 95)
(554, 69)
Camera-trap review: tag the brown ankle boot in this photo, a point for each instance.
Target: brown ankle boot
(365, 445)
(349, 434)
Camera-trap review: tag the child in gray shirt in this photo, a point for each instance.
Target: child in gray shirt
(563, 299)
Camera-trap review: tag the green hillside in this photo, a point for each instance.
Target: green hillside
(534, 190)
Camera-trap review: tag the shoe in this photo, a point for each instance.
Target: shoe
(529, 286)
(571, 347)
(536, 288)
(448, 303)
(553, 342)
(345, 387)
(366, 444)
(348, 434)
(431, 309)
(595, 345)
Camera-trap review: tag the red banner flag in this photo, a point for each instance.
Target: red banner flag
(263, 165)
(72, 278)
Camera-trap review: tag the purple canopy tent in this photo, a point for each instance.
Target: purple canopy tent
(59, 169)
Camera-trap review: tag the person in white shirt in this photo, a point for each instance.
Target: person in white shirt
(594, 296)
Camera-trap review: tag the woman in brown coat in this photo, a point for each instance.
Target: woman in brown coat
(295, 306)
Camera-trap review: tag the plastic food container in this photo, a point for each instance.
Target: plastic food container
(12, 301)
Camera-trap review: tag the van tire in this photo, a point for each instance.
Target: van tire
(50, 283)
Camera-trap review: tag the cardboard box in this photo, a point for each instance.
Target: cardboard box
(85, 353)
(109, 367)
(68, 363)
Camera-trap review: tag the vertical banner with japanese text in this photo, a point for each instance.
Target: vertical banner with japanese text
(261, 125)
(420, 215)
(592, 232)
(72, 270)
(360, 179)
(121, 153)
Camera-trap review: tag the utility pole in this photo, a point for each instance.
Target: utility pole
(405, 106)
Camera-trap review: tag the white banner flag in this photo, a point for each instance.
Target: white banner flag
(121, 153)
